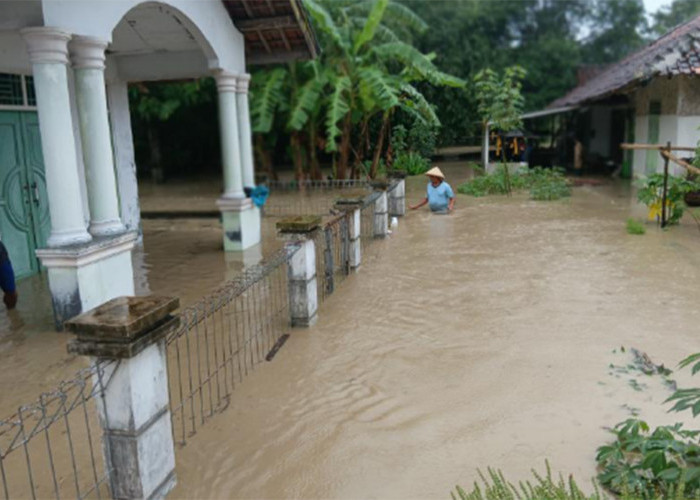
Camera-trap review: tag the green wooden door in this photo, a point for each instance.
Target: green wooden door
(24, 219)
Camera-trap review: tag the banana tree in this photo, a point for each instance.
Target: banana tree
(374, 71)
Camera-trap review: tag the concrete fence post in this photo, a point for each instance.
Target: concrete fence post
(135, 417)
(381, 211)
(397, 196)
(303, 288)
(352, 207)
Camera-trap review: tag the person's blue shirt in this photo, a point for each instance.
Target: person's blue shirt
(439, 196)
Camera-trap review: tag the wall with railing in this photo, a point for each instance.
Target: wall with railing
(157, 376)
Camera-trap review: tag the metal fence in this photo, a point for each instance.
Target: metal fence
(309, 197)
(367, 220)
(332, 242)
(52, 448)
(222, 338)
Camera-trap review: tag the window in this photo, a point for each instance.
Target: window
(11, 90)
(17, 90)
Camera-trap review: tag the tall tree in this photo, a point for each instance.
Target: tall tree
(617, 29)
(669, 16)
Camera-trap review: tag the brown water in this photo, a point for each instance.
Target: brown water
(480, 338)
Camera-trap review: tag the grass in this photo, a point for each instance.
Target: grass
(635, 227)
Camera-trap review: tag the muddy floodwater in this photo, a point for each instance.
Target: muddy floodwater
(488, 337)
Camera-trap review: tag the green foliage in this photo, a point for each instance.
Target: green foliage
(635, 227)
(548, 184)
(545, 184)
(494, 486)
(663, 463)
(651, 194)
(159, 101)
(500, 101)
(669, 16)
(651, 464)
(412, 163)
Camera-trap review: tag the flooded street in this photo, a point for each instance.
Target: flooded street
(481, 338)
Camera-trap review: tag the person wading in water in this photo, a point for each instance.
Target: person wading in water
(440, 196)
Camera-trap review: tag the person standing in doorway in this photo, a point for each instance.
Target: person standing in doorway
(7, 279)
(439, 195)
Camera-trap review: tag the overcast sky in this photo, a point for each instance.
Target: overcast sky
(653, 5)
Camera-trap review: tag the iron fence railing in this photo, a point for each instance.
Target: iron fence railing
(52, 448)
(332, 244)
(222, 338)
(367, 220)
(309, 197)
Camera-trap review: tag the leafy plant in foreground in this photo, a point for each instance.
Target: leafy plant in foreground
(664, 463)
(496, 487)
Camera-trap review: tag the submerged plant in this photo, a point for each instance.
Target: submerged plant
(412, 163)
(548, 184)
(651, 194)
(544, 183)
(635, 227)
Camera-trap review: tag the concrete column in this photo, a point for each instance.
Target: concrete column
(124, 158)
(381, 216)
(48, 51)
(485, 150)
(303, 288)
(135, 416)
(88, 56)
(397, 196)
(230, 137)
(353, 206)
(244, 130)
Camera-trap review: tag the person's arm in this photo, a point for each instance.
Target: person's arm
(451, 205)
(421, 204)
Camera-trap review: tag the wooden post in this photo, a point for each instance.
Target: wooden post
(663, 195)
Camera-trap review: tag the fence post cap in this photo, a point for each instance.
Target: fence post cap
(350, 202)
(123, 327)
(299, 224)
(380, 184)
(397, 174)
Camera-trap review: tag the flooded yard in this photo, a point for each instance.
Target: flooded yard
(481, 338)
(491, 336)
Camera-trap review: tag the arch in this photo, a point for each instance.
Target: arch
(207, 21)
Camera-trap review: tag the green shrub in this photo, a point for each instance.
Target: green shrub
(496, 487)
(548, 184)
(664, 463)
(412, 163)
(635, 227)
(543, 183)
(651, 194)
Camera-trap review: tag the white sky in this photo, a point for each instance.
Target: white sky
(653, 5)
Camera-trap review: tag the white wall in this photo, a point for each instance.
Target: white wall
(207, 20)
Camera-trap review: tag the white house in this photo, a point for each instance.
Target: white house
(68, 192)
(651, 96)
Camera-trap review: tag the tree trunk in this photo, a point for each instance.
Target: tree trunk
(297, 157)
(264, 157)
(506, 172)
(157, 173)
(345, 148)
(313, 154)
(379, 147)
